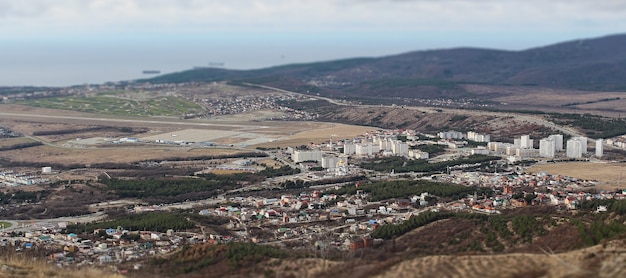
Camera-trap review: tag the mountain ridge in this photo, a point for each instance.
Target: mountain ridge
(582, 64)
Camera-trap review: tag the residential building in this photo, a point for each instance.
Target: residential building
(300, 156)
(599, 148)
(526, 142)
(574, 148)
(450, 135)
(547, 147)
(558, 141)
(471, 135)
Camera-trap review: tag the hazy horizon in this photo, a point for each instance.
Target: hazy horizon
(72, 42)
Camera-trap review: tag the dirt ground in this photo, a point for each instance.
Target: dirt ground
(47, 154)
(611, 175)
(14, 141)
(610, 104)
(244, 131)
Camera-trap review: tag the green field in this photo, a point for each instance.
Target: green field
(5, 224)
(110, 103)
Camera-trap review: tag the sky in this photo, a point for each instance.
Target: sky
(70, 42)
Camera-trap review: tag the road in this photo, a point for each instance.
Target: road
(538, 120)
(30, 225)
(109, 120)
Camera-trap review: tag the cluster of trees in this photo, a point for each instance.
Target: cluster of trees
(20, 146)
(591, 101)
(403, 165)
(458, 118)
(72, 131)
(402, 188)
(149, 221)
(212, 157)
(240, 252)
(292, 184)
(192, 258)
(188, 187)
(526, 226)
(22, 196)
(432, 150)
(599, 230)
(390, 231)
(268, 172)
(197, 257)
(179, 189)
(596, 126)
(285, 170)
(616, 206)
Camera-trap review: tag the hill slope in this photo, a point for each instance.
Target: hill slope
(592, 64)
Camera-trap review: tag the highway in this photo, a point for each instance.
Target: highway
(34, 224)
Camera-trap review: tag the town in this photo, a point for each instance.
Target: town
(335, 208)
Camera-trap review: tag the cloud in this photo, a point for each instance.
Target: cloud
(31, 17)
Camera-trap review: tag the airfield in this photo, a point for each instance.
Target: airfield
(90, 146)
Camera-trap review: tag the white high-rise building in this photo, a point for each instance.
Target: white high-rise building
(418, 154)
(329, 162)
(300, 156)
(558, 141)
(526, 142)
(477, 137)
(366, 149)
(349, 148)
(499, 147)
(574, 148)
(450, 135)
(547, 147)
(400, 148)
(583, 142)
(599, 148)
(526, 153)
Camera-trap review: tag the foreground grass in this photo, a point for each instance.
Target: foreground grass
(20, 265)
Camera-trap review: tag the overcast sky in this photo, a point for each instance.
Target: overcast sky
(126, 36)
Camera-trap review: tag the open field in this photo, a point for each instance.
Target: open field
(47, 154)
(18, 265)
(609, 174)
(5, 225)
(610, 104)
(117, 104)
(242, 132)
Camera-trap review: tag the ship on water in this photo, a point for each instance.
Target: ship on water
(151, 71)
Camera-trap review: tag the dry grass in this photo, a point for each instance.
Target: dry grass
(309, 267)
(321, 132)
(605, 260)
(6, 142)
(24, 266)
(48, 154)
(609, 174)
(227, 172)
(591, 262)
(552, 100)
